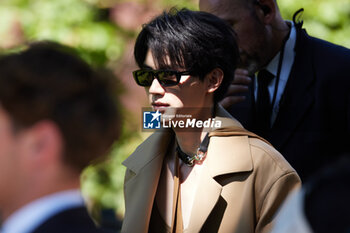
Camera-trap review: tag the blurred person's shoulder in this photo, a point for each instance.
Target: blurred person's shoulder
(73, 220)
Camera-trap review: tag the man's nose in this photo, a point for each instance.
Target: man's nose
(156, 88)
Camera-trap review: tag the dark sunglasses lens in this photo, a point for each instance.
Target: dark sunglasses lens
(167, 78)
(143, 77)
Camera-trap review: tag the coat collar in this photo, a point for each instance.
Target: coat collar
(225, 155)
(154, 146)
(228, 154)
(157, 144)
(140, 186)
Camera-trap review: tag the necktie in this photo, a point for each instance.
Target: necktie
(263, 105)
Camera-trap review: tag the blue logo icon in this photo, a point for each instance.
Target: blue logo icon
(151, 120)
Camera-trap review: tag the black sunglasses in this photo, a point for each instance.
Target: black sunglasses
(166, 78)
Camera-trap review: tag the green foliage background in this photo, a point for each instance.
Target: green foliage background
(86, 25)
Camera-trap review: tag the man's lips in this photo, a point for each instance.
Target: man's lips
(157, 105)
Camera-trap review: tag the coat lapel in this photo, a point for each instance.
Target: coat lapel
(221, 152)
(298, 96)
(207, 195)
(145, 164)
(140, 186)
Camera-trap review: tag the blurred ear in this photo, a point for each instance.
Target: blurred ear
(214, 79)
(43, 145)
(266, 10)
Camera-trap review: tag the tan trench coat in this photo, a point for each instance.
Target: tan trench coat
(244, 182)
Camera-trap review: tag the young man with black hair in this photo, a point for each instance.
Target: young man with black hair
(57, 115)
(192, 180)
(299, 100)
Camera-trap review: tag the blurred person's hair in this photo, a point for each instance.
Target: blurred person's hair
(194, 41)
(47, 81)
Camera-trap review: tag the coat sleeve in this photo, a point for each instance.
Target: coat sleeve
(277, 193)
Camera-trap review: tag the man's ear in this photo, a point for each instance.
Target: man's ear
(214, 78)
(266, 10)
(44, 144)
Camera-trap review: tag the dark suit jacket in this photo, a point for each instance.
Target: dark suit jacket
(313, 123)
(74, 220)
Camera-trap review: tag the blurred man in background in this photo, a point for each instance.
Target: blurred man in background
(57, 115)
(299, 100)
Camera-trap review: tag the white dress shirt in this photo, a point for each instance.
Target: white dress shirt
(272, 67)
(29, 217)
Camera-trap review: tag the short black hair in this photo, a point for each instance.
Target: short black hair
(192, 40)
(48, 81)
